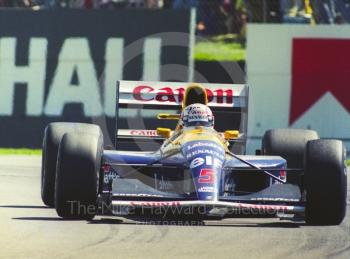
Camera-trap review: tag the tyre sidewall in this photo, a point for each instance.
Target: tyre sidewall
(325, 182)
(77, 178)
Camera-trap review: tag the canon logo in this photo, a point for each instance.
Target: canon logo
(143, 132)
(147, 93)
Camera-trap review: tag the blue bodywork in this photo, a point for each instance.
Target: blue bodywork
(214, 174)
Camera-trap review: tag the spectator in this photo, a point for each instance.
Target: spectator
(326, 11)
(167, 4)
(254, 10)
(296, 11)
(88, 4)
(211, 18)
(112, 4)
(17, 3)
(154, 4)
(136, 3)
(47, 3)
(234, 12)
(185, 3)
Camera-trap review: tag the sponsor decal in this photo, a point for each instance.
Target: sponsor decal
(192, 118)
(263, 207)
(208, 160)
(203, 144)
(207, 175)
(229, 185)
(137, 195)
(110, 176)
(106, 168)
(197, 162)
(274, 199)
(313, 61)
(155, 203)
(162, 184)
(146, 93)
(207, 189)
(143, 132)
(204, 152)
(281, 175)
(197, 113)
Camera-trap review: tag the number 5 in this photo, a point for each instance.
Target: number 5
(206, 176)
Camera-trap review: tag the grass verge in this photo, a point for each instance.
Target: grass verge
(348, 162)
(20, 151)
(219, 51)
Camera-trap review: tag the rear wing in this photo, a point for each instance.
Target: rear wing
(139, 103)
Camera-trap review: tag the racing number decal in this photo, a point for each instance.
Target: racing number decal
(206, 176)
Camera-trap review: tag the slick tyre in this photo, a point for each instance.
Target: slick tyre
(325, 182)
(52, 138)
(289, 144)
(77, 178)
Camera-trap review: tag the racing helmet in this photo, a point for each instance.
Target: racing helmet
(197, 114)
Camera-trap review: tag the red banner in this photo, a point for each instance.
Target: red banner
(319, 66)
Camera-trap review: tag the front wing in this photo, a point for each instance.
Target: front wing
(277, 198)
(211, 208)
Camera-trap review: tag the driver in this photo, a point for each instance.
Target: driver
(195, 115)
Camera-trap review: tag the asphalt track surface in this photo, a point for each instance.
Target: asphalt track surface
(30, 230)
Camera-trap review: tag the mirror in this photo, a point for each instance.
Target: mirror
(164, 132)
(231, 134)
(165, 116)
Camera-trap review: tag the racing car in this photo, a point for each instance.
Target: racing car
(181, 146)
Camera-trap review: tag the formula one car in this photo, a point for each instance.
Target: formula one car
(189, 164)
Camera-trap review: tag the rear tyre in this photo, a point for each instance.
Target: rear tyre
(325, 182)
(52, 138)
(77, 178)
(289, 144)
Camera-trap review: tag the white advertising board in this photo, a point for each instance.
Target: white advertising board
(299, 77)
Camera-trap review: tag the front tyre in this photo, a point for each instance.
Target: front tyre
(77, 178)
(325, 182)
(289, 144)
(52, 137)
